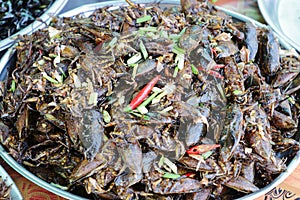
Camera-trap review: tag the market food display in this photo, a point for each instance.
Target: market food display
(152, 102)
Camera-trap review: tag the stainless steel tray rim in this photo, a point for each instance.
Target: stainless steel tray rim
(87, 10)
(272, 20)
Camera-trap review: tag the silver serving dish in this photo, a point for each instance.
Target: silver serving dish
(87, 10)
(284, 18)
(14, 191)
(54, 9)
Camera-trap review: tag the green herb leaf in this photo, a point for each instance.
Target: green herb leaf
(176, 49)
(142, 108)
(161, 161)
(106, 116)
(207, 154)
(50, 117)
(112, 42)
(143, 30)
(171, 175)
(180, 61)
(194, 69)
(93, 98)
(237, 92)
(12, 86)
(49, 78)
(291, 100)
(144, 19)
(144, 50)
(170, 164)
(145, 117)
(175, 72)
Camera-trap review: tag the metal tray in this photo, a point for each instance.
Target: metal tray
(14, 191)
(284, 18)
(86, 10)
(54, 9)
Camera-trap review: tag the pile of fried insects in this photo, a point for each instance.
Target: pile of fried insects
(152, 102)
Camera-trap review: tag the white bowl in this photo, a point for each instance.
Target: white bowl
(54, 9)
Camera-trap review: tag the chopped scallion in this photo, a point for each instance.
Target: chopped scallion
(158, 97)
(174, 37)
(182, 31)
(135, 67)
(170, 164)
(144, 50)
(207, 154)
(134, 59)
(194, 69)
(93, 98)
(161, 161)
(144, 19)
(176, 49)
(237, 92)
(113, 42)
(49, 78)
(12, 86)
(171, 175)
(180, 61)
(219, 86)
(291, 100)
(50, 117)
(145, 117)
(149, 28)
(62, 72)
(175, 72)
(106, 116)
(142, 108)
(163, 34)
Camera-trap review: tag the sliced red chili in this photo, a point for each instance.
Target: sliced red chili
(219, 66)
(215, 74)
(202, 148)
(212, 72)
(190, 174)
(142, 95)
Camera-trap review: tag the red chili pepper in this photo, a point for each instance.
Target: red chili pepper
(219, 66)
(215, 74)
(214, 51)
(202, 148)
(142, 95)
(212, 72)
(190, 174)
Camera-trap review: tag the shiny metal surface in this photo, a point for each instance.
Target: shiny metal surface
(284, 18)
(54, 9)
(86, 10)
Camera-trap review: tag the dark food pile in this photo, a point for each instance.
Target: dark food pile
(17, 14)
(152, 103)
(4, 190)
